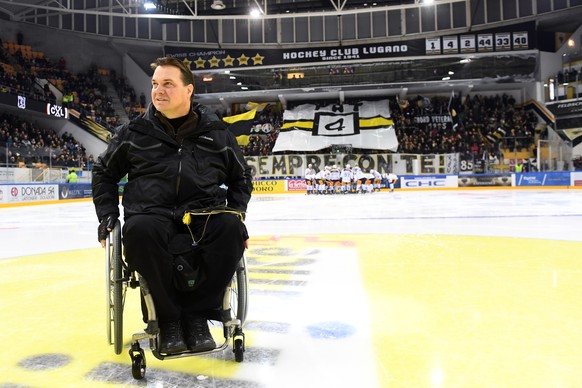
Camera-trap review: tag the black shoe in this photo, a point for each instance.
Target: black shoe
(171, 339)
(198, 336)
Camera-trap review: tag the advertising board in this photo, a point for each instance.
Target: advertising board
(429, 182)
(28, 193)
(542, 179)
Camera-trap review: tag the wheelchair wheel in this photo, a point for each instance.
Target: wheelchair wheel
(138, 367)
(116, 288)
(238, 350)
(239, 306)
(240, 290)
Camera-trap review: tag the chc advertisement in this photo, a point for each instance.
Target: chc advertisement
(429, 182)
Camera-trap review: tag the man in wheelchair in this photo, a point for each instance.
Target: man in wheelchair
(187, 190)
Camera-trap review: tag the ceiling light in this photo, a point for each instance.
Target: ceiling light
(149, 5)
(255, 13)
(218, 5)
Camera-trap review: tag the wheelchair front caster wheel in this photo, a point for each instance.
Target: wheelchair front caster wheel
(238, 350)
(138, 366)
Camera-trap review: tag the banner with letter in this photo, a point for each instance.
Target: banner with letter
(293, 165)
(366, 125)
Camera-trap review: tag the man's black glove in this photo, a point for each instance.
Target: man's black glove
(105, 226)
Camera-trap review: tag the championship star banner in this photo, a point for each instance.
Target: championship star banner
(241, 125)
(522, 36)
(366, 125)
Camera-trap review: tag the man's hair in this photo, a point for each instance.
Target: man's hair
(187, 76)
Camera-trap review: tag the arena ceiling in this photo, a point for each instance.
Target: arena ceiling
(23, 10)
(208, 9)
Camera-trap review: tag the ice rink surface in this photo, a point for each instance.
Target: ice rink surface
(460, 288)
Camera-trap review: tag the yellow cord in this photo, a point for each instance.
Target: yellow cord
(187, 219)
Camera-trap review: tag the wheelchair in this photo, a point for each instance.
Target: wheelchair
(120, 277)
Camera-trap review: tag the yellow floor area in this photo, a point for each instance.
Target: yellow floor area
(444, 311)
(475, 311)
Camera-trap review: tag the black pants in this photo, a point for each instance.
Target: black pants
(220, 245)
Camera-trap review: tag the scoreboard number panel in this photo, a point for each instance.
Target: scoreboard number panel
(503, 41)
(485, 42)
(433, 45)
(468, 44)
(520, 40)
(450, 44)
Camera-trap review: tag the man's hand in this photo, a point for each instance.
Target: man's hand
(107, 224)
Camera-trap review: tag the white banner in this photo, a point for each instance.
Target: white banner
(366, 125)
(293, 165)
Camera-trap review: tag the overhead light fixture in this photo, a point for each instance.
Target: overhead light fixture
(149, 5)
(218, 5)
(255, 13)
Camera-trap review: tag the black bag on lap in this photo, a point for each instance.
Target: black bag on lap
(188, 273)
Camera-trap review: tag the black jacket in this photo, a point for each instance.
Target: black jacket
(205, 169)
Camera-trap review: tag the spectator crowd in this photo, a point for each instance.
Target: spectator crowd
(485, 123)
(26, 144)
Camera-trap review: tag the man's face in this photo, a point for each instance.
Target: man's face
(169, 94)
